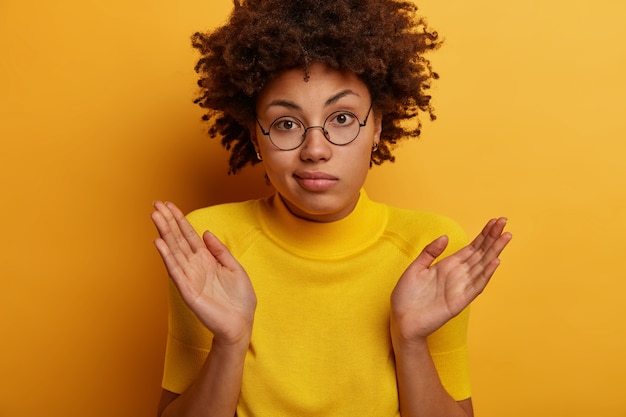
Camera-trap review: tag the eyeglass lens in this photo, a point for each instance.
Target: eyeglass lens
(339, 128)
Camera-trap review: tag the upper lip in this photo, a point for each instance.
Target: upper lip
(315, 176)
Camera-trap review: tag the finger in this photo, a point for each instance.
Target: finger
(178, 255)
(163, 218)
(498, 246)
(176, 271)
(466, 252)
(220, 251)
(484, 234)
(187, 230)
(167, 232)
(480, 282)
(172, 265)
(161, 223)
(481, 274)
(483, 265)
(494, 232)
(492, 243)
(431, 252)
(169, 229)
(481, 244)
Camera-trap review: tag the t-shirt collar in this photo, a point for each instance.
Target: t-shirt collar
(361, 228)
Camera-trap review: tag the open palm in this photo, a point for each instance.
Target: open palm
(427, 296)
(210, 280)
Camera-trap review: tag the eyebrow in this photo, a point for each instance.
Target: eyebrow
(331, 100)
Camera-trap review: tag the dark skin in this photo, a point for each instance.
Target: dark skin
(319, 181)
(218, 290)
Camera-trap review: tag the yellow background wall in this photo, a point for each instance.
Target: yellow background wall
(96, 122)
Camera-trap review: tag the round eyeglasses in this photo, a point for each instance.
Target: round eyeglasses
(340, 128)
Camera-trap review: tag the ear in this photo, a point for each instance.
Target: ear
(378, 127)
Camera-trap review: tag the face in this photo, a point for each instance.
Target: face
(318, 181)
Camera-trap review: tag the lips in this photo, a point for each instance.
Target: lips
(315, 181)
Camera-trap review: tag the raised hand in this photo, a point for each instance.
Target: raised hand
(427, 296)
(210, 280)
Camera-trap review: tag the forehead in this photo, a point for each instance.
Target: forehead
(322, 84)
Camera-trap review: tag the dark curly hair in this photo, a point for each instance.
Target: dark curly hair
(381, 41)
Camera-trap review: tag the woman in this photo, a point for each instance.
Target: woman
(317, 300)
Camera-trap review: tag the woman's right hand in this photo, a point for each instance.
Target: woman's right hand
(210, 280)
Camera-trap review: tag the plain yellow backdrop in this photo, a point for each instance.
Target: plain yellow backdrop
(97, 121)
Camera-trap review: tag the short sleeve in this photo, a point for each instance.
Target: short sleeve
(188, 344)
(448, 348)
(448, 345)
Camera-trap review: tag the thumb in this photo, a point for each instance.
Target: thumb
(431, 252)
(219, 251)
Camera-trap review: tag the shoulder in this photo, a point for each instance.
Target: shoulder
(225, 219)
(423, 221)
(242, 208)
(418, 228)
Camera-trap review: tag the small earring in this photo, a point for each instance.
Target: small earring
(259, 157)
(375, 147)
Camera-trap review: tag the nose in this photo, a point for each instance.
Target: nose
(324, 131)
(316, 146)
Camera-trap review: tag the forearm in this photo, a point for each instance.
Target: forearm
(215, 392)
(421, 393)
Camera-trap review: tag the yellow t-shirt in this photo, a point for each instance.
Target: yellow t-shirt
(320, 343)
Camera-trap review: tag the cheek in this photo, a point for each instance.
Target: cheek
(359, 163)
(276, 165)
(363, 169)
(365, 154)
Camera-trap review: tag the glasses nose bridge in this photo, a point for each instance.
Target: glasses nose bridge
(306, 130)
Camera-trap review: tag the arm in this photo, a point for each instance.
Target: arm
(217, 289)
(215, 391)
(425, 298)
(419, 387)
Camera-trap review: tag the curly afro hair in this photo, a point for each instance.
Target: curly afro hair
(381, 41)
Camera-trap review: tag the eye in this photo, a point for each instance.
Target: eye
(341, 119)
(287, 124)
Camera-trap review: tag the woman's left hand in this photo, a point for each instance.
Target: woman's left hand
(427, 296)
